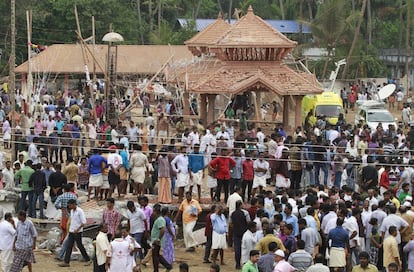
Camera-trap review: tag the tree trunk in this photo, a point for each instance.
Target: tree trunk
(282, 9)
(140, 30)
(197, 9)
(220, 7)
(159, 18)
(325, 66)
(400, 34)
(151, 16)
(301, 20)
(407, 46)
(310, 10)
(354, 41)
(230, 8)
(369, 24)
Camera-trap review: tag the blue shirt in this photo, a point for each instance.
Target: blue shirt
(76, 132)
(292, 219)
(125, 161)
(195, 161)
(60, 124)
(94, 166)
(219, 223)
(339, 237)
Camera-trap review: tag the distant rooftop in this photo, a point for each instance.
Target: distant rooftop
(283, 26)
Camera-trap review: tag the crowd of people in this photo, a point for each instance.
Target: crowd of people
(329, 196)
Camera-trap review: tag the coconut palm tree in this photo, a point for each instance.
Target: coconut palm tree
(355, 39)
(328, 27)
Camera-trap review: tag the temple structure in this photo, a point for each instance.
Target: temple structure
(244, 59)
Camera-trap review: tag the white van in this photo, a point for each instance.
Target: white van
(372, 113)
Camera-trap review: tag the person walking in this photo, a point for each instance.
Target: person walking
(251, 265)
(77, 222)
(7, 234)
(158, 239)
(164, 181)
(102, 249)
(24, 244)
(239, 220)
(208, 232)
(137, 224)
(390, 247)
(38, 182)
(219, 234)
(339, 244)
(24, 175)
(249, 241)
(111, 217)
(189, 208)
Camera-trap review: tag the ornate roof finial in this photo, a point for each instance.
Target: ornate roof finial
(220, 16)
(250, 9)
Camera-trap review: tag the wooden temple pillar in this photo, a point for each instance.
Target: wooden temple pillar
(298, 110)
(211, 99)
(285, 112)
(186, 108)
(66, 86)
(203, 108)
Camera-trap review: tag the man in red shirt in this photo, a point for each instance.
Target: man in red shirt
(208, 232)
(385, 180)
(248, 176)
(221, 165)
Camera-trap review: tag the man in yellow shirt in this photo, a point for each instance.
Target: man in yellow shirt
(364, 265)
(189, 208)
(390, 246)
(263, 244)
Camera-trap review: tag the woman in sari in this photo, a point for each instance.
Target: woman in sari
(168, 251)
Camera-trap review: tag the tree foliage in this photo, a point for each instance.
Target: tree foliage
(333, 23)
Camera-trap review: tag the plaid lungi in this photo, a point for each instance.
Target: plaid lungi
(373, 255)
(21, 258)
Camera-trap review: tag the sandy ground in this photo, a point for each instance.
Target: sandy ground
(46, 263)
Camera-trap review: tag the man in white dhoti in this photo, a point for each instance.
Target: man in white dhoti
(7, 234)
(189, 208)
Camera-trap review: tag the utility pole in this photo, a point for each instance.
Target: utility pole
(29, 87)
(12, 75)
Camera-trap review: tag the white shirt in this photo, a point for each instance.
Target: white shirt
(7, 234)
(133, 133)
(326, 219)
(180, 164)
(260, 164)
(136, 221)
(114, 159)
(33, 153)
(102, 246)
(77, 218)
(393, 220)
(8, 177)
(92, 131)
(260, 137)
(231, 202)
(194, 138)
(351, 225)
(114, 136)
(248, 243)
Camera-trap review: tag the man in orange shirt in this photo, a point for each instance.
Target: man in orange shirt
(189, 208)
